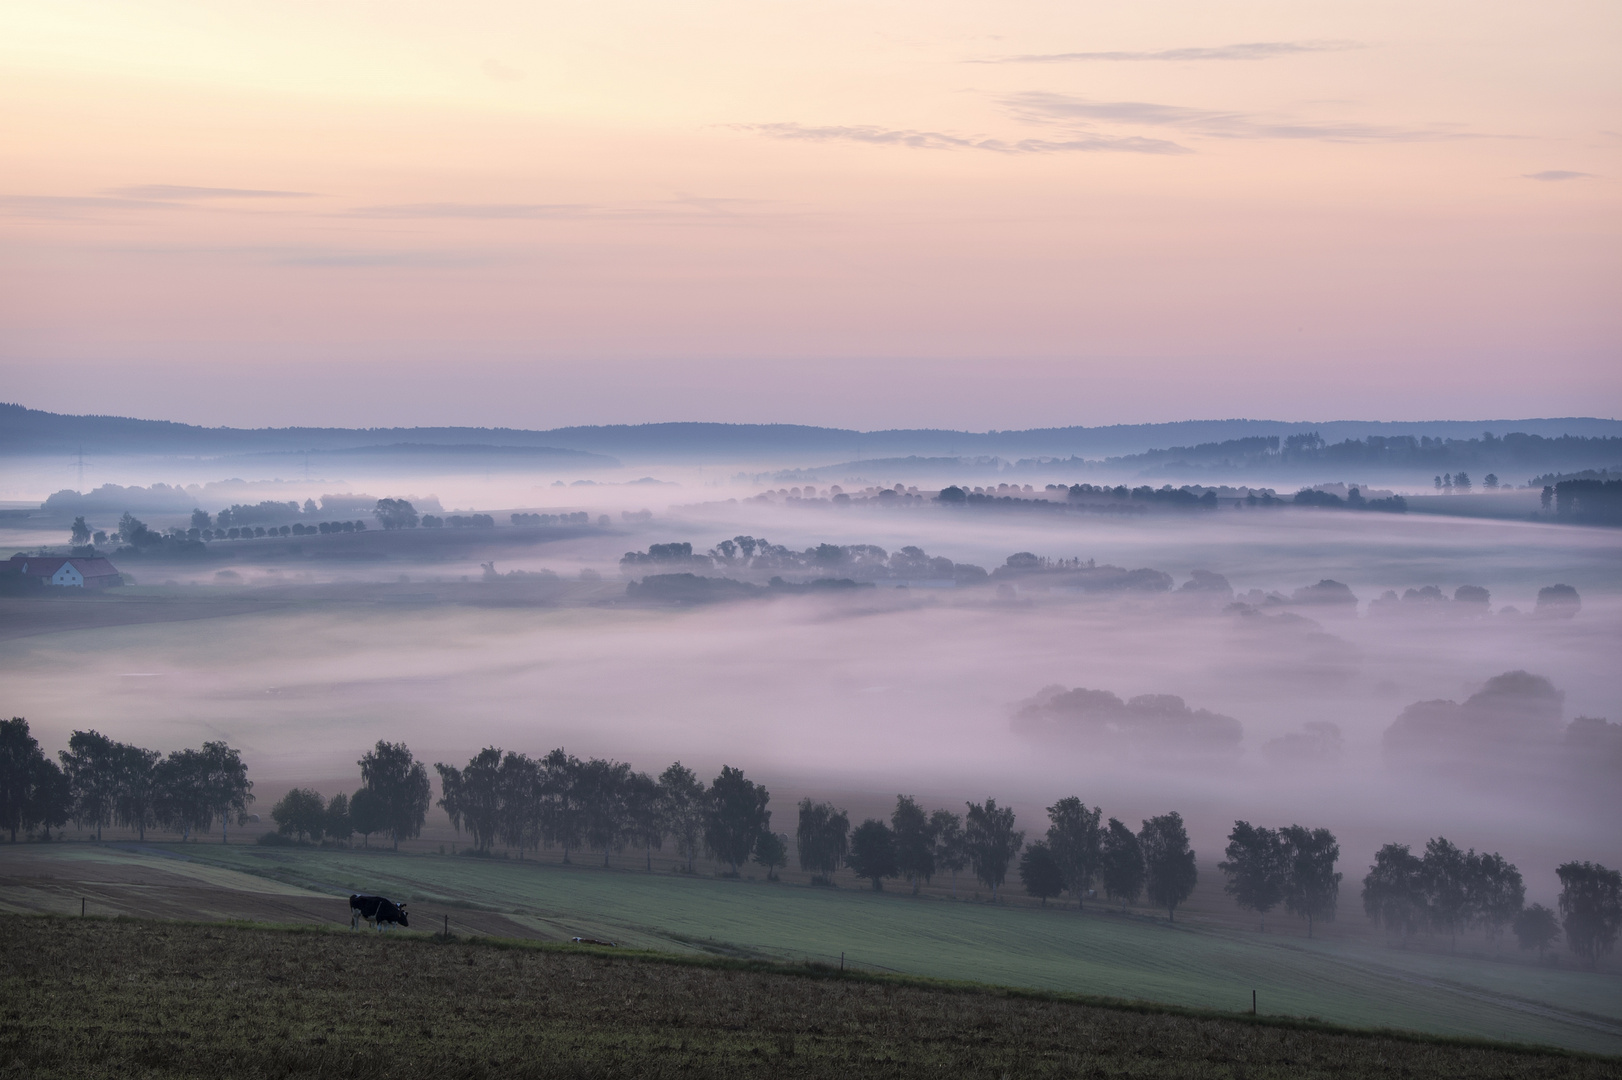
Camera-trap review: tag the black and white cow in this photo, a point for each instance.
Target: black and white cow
(378, 911)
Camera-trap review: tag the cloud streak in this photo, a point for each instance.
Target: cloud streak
(937, 140)
(186, 193)
(476, 211)
(1044, 107)
(1557, 174)
(1249, 50)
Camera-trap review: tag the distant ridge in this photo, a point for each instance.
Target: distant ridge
(33, 432)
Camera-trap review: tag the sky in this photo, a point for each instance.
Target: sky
(960, 214)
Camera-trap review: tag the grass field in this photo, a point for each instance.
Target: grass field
(122, 998)
(1132, 957)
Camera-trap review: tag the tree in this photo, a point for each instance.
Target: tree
(80, 533)
(1311, 884)
(951, 847)
(395, 514)
(1445, 877)
(226, 787)
(300, 813)
(400, 784)
(873, 852)
(135, 800)
(1394, 890)
(1121, 864)
(519, 818)
(180, 802)
(562, 809)
(1496, 892)
(1535, 928)
(474, 796)
(914, 843)
(1255, 867)
(337, 823)
(1040, 872)
(771, 851)
(602, 795)
(684, 801)
(91, 763)
(1168, 862)
(1590, 908)
(823, 839)
(368, 814)
(200, 520)
(1073, 841)
(991, 841)
(645, 814)
(737, 816)
(33, 791)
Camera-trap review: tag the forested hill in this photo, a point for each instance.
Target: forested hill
(25, 432)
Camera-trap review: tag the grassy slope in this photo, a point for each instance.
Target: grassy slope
(103, 998)
(1095, 954)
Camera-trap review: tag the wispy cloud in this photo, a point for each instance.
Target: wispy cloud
(63, 207)
(937, 140)
(1042, 106)
(186, 193)
(493, 211)
(1558, 174)
(1248, 50)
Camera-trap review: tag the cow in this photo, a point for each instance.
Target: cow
(378, 911)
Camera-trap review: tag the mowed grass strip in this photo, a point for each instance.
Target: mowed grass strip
(117, 998)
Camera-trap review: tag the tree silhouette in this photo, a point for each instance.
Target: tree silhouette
(991, 841)
(684, 800)
(1394, 890)
(873, 852)
(1311, 885)
(737, 816)
(1073, 841)
(473, 796)
(1255, 868)
(1536, 928)
(951, 846)
(1168, 862)
(1121, 864)
(914, 841)
(300, 813)
(771, 851)
(91, 763)
(1445, 877)
(823, 838)
(1590, 908)
(400, 783)
(1040, 872)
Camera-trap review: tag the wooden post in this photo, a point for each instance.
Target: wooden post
(1253, 1003)
(841, 961)
(447, 927)
(81, 907)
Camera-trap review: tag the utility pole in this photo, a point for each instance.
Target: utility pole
(78, 460)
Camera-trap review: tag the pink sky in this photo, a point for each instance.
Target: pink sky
(961, 214)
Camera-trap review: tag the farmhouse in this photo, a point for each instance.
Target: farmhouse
(73, 573)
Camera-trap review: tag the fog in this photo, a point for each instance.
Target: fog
(949, 693)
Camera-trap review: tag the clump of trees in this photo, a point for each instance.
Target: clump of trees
(101, 782)
(1447, 891)
(1293, 865)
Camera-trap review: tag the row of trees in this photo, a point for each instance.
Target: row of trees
(101, 782)
(1447, 890)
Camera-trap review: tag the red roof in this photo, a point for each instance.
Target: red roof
(43, 566)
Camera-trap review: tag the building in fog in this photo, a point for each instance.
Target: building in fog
(70, 573)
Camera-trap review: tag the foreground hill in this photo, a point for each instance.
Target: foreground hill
(93, 997)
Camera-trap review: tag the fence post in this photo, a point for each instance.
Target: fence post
(841, 961)
(447, 927)
(81, 907)
(1253, 1003)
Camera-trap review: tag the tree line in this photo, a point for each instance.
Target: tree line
(597, 805)
(100, 782)
(1446, 891)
